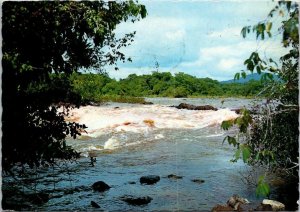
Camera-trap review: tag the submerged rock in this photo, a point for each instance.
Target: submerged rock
(199, 181)
(94, 204)
(147, 103)
(237, 110)
(131, 182)
(173, 176)
(38, 198)
(276, 206)
(94, 103)
(149, 180)
(221, 208)
(72, 190)
(131, 200)
(193, 107)
(100, 186)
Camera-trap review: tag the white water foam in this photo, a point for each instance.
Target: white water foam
(140, 123)
(112, 143)
(143, 120)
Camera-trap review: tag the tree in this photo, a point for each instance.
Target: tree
(271, 136)
(43, 43)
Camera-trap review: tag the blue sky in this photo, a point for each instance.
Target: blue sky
(200, 38)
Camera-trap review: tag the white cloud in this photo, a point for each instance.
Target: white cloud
(225, 51)
(229, 63)
(226, 33)
(175, 35)
(198, 38)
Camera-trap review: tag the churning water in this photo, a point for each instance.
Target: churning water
(132, 140)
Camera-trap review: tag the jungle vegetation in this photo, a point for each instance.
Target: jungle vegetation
(44, 42)
(100, 87)
(270, 138)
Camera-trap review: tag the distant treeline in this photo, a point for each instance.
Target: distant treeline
(96, 87)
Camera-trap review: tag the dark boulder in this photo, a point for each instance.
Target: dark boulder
(94, 204)
(174, 177)
(100, 186)
(193, 107)
(72, 190)
(131, 200)
(147, 103)
(199, 181)
(149, 180)
(94, 103)
(264, 207)
(131, 182)
(38, 198)
(221, 208)
(206, 107)
(237, 110)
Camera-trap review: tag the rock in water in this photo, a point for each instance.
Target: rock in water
(262, 207)
(218, 208)
(149, 180)
(131, 182)
(235, 201)
(173, 176)
(39, 198)
(193, 107)
(136, 200)
(276, 206)
(100, 186)
(199, 181)
(148, 103)
(94, 204)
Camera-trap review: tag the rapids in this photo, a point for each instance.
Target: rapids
(142, 120)
(131, 140)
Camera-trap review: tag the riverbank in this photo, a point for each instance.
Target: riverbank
(144, 100)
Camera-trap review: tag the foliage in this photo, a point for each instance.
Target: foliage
(98, 87)
(262, 189)
(43, 43)
(272, 133)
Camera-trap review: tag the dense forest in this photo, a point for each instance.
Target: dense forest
(97, 87)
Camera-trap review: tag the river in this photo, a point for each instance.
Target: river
(132, 140)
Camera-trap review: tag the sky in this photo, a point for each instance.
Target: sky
(200, 38)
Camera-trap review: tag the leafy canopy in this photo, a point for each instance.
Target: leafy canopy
(271, 135)
(41, 40)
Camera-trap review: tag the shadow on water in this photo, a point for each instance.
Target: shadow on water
(196, 157)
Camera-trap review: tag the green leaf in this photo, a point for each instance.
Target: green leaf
(237, 76)
(244, 74)
(226, 124)
(143, 11)
(232, 140)
(262, 189)
(237, 155)
(250, 66)
(268, 26)
(258, 69)
(245, 30)
(246, 153)
(257, 156)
